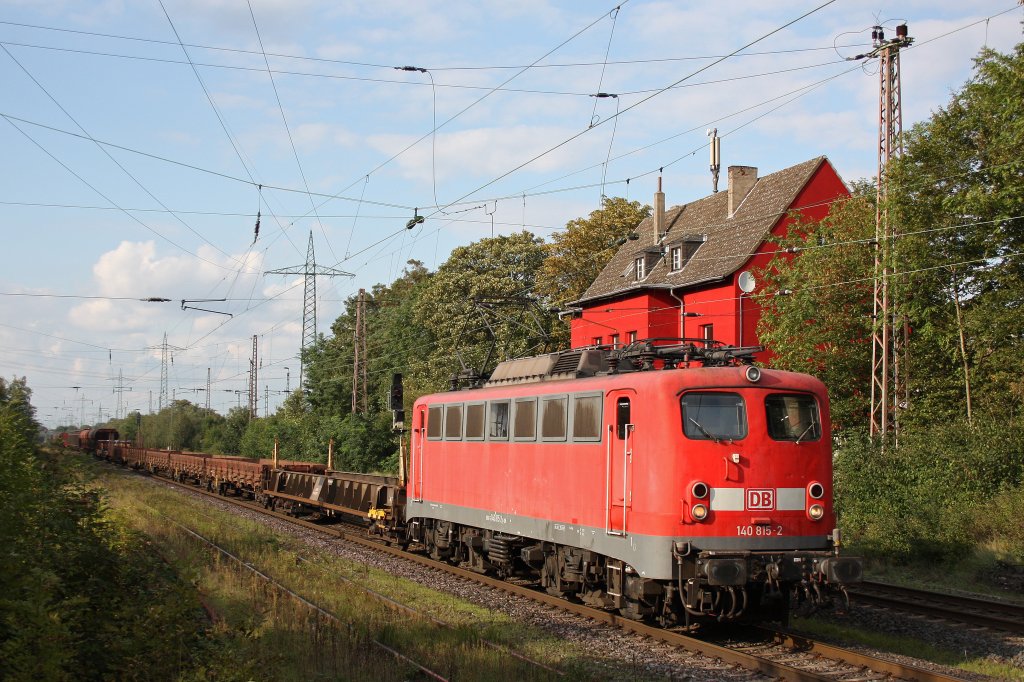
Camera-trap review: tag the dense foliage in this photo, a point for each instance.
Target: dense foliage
(576, 255)
(82, 598)
(822, 326)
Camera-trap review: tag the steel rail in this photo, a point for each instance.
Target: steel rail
(970, 610)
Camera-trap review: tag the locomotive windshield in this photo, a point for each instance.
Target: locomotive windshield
(714, 416)
(792, 417)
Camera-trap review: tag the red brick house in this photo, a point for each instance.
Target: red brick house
(682, 274)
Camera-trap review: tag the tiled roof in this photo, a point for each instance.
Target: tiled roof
(729, 241)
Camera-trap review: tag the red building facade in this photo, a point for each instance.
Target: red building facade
(687, 272)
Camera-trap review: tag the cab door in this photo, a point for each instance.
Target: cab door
(419, 435)
(620, 433)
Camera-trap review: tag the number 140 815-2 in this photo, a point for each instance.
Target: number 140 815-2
(758, 531)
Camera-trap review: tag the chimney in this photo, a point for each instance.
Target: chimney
(659, 214)
(741, 181)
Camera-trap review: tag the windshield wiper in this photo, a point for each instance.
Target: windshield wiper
(703, 430)
(801, 436)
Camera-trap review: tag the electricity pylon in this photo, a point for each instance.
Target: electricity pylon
(309, 270)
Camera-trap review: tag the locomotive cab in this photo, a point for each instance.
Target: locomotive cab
(759, 506)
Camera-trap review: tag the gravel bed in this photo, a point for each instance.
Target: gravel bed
(606, 651)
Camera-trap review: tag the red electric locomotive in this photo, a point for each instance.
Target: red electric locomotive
(669, 479)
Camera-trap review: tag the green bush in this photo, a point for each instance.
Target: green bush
(931, 497)
(999, 526)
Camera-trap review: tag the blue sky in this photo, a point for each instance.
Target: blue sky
(520, 142)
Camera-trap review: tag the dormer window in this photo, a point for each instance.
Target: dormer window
(639, 266)
(677, 258)
(681, 252)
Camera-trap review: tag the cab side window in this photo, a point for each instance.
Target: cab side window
(525, 427)
(554, 417)
(453, 422)
(623, 416)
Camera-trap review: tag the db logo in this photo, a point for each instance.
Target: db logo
(760, 499)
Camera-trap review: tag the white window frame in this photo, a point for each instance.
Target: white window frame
(677, 258)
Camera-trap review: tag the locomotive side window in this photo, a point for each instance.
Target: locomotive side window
(525, 425)
(553, 413)
(453, 422)
(714, 416)
(792, 417)
(586, 417)
(475, 421)
(497, 421)
(622, 417)
(434, 422)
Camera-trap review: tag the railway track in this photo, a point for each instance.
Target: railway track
(969, 610)
(778, 653)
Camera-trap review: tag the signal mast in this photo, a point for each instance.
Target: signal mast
(889, 349)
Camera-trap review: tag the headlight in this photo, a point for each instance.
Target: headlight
(816, 490)
(699, 512)
(753, 374)
(815, 512)
(699, 490)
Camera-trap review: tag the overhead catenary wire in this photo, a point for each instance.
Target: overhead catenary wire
(614, 14)
(109, 200)
(636, 150)
(220, 117)
(831, 244)
(783, 250)
(208, 171)
(472, 104)
(107, 153)
(922, 42)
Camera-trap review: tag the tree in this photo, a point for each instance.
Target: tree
(482, 298)
(822, 325)
(575, 256)
(392, 344)
(959, 197)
